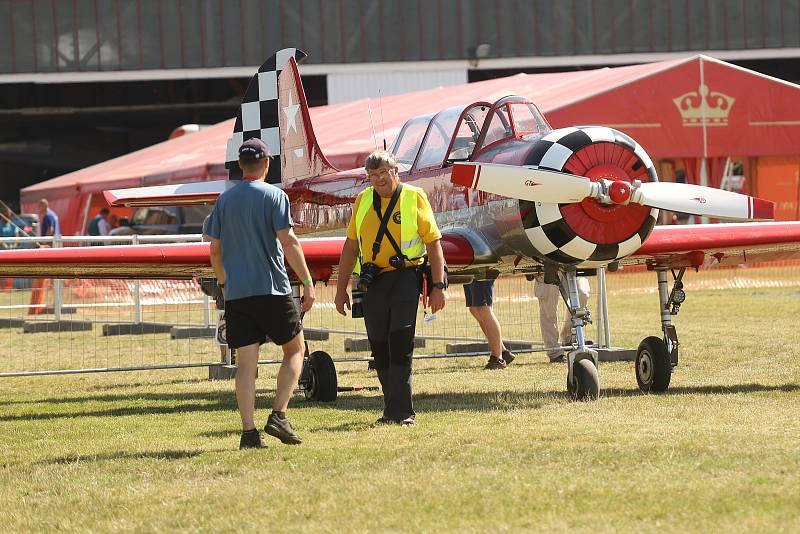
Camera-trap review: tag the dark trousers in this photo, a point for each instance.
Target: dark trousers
(390, 315)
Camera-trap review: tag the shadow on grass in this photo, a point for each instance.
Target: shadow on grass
(703, 390)
(727, 390)
(194, 402)
(110, 456)
(154, 383)
(205, 401)
(439, 369)
(216, 434)
(444, 402)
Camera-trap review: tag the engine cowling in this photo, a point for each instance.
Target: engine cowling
(589, 233)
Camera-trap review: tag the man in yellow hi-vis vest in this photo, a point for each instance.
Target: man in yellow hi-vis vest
(391, 232)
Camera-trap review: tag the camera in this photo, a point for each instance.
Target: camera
(368, 273)
(357, 304)
(397, 261)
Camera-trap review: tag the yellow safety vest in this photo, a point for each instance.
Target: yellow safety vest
(411, 244)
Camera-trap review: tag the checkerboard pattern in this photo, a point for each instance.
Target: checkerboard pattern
(258, 114)
(548, 232)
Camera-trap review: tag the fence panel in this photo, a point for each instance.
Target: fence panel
(101, 325)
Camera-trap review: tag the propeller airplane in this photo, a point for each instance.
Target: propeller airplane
(511, 195)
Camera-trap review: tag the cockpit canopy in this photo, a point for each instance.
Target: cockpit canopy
(460, 132)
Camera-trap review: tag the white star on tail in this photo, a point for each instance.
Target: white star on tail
(290, 110)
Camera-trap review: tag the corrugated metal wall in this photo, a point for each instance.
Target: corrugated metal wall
(90, 35)
(344, 87)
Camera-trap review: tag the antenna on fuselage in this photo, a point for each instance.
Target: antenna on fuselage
(383, 127)
(372, 123)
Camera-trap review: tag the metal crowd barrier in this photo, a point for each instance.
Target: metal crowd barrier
(94, 325)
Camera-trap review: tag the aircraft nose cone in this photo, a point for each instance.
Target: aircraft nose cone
(619, 192)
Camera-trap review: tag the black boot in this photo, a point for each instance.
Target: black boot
(278, 426)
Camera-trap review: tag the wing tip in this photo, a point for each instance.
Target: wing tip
(111, 198)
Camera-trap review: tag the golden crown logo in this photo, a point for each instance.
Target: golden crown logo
(704, 107)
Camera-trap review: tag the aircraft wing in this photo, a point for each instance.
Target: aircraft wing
(174, 261)
(670, 246)
(707, 244)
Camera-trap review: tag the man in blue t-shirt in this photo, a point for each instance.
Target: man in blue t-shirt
(251, 230)
(48, 220)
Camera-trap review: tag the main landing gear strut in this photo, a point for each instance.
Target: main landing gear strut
(318, 376)
(656, 357)
(583, 382)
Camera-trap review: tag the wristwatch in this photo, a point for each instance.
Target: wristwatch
(439, 285)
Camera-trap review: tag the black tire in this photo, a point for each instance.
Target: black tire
(653, 366)
(321, 383)
(585, 381)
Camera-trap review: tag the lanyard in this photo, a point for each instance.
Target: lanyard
(382, 229)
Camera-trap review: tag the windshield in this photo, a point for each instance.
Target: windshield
(527, 119)
(514, 116)
(468, 132)
(195, 214)
(155, 216)
(434, 148)
(499, 127)
(407, 144)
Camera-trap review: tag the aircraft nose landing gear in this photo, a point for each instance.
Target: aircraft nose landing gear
(583, 382)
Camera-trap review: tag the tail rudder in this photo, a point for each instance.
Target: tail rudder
(274, 109)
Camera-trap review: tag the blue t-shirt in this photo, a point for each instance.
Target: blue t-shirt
(8, 229)
(50, 221)
(246, 219)
(94, 225)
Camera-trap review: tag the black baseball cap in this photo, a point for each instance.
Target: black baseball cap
(254, 148)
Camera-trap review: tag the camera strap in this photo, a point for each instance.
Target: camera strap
(384, 218)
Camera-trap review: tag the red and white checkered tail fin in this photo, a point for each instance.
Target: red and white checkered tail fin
(274, 109)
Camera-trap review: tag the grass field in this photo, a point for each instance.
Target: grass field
(493, 451)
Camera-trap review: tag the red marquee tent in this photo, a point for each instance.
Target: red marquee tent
(687, 113)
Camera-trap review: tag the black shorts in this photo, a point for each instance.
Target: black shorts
(479, 293)
(261, 318)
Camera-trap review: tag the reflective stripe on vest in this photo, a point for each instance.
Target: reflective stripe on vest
(410, 242)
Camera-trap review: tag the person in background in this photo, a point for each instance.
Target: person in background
(548, 296)
(7, 227)
(48, 225)
(100, 224)
(478, 296)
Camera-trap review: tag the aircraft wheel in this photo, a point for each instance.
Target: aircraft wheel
(321, 383)
(585, 381)
(653, 368)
